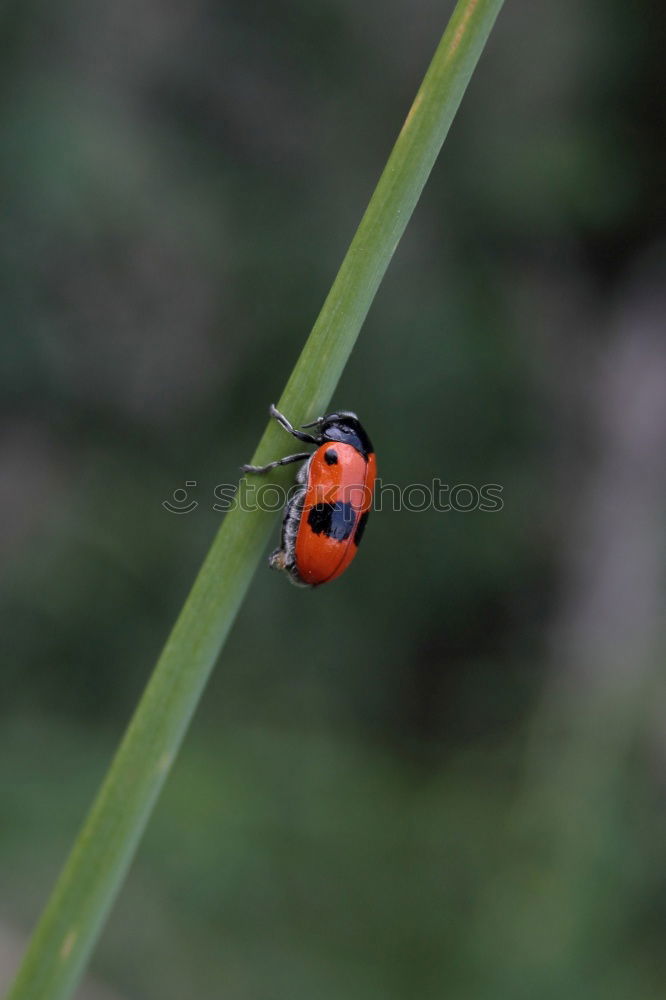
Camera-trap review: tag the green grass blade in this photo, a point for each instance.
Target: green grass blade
(106, 844)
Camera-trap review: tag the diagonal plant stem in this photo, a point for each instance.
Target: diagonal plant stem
(106, 844)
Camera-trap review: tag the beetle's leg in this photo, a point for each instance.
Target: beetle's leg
(283, 422)
(283, 558)
(259, 469)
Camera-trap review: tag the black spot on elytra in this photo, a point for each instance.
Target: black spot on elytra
(360, 528)
(331, 457)
(335, 520)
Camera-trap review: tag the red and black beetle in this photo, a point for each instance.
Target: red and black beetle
(325, 518)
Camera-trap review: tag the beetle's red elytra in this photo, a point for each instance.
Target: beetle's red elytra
(325, 518)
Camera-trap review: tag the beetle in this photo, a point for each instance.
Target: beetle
(325, 517)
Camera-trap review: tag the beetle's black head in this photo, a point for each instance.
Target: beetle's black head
(346, 427)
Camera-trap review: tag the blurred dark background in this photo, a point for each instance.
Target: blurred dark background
(444, 775)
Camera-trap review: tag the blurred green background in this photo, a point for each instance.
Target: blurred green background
(443, 776)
